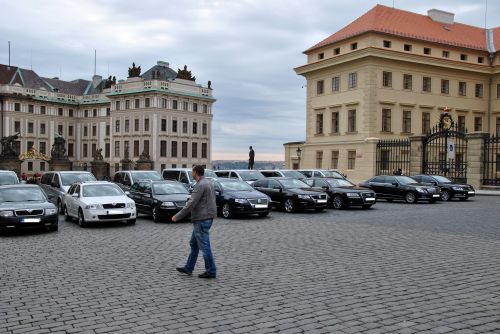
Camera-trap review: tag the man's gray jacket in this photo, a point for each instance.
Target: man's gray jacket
(202, 204)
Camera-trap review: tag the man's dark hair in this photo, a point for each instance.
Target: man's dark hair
(199, 169)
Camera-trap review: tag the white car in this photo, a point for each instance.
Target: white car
(98, 201)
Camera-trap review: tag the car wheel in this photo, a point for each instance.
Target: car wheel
(81, 219)
(366, 207)
(60, 206)
(446, 196)
(226, 211)
(464, 198)
(410, 198)
(289, 205)
(338, 202)
(156, 215)
(131, 221)
(263, 214)
(66, 215)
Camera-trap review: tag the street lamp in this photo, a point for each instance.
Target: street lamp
(299, 154)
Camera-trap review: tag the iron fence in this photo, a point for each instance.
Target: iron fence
(491, 160)
(393, 157)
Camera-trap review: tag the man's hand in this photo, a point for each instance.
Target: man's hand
(174, 219)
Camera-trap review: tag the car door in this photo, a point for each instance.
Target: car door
(261, 186)
(377, 184)
(148, 197)
(136, 196)
(219, 196)
(71, 201)
(276, 191)
(392, 188)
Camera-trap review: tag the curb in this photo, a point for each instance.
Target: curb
(487, 193)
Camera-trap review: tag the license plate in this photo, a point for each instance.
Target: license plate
(370, 199)
(471, 192)
(260, 206)
(30, 220)
(321, 201)
(115, 212)
(436, 195)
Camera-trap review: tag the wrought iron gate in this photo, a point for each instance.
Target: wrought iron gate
(445, 152)
(393, 157)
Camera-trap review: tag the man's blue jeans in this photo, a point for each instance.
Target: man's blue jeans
(200, 240)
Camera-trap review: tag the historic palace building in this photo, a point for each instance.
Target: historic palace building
(161, 113)
(388, 75)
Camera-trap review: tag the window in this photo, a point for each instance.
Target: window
(70, 113)
(146, 146)
(164, 103)
(42, 166)
(43, 110)
(184, 127)
(93, 150)
(320, 85)
(498, 91)
(351, 159)
(185, 106)
(117, 126)
(108, 130)
(204, 150)
(353, 80)
(30, 127)
(174, 125)
(479, 90)
(321, 56)
(194, 150)
(136, 148)
(17, 126)
(387, 79)
(335, 122)
(43, 129)
(386, 120)
(407, 47)
(163, 148)
(205, 108)
(336, 51)
(446, 54)
(94, 130)
(31, 108)
(42, 147)
(70, 130)
(462, 88)
(137, 103)
(175, 104)
(117, 148)
(335, 160)
(480, 60)
(204, 129)
(117, 106)
(127, 126)
(94, 112)
(85, 150)
(463, 56)
(406, 121)
(71, 149)
(195, 128)
(108, 111)
(136, 125)
(146, 124)
(107, 150)
(195, 107)
(497, 123)
(351, 121)
(478, 123)
(387, 44)
(163, 125)
(30, 166)
(461, 123)
(17, 107)
(319, 124)
(29, 145)
(147, 102)
(427, 51)
(426, 122)
(354, 46)
(407, 81)
(174, 149)
(336, 84)
(127, 104)
(445, 86)
(426, 84)
(60, 129)
(184, 149)
(319, 159)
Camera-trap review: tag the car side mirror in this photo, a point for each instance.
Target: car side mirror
(127, 193)
(75, 195)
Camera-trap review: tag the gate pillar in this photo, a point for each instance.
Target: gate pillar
(475, 158)
(416, 154)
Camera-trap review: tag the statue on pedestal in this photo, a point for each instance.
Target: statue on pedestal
(8, 148)
(58, 151)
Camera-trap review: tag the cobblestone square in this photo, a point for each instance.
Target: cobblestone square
(397, 268)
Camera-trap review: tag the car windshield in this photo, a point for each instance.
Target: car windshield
(101, 190)
(208, 173)
(169, 188)
(8, 178)
(236, 186)
(405, 180)
(18, 194)
(334, 174)
(294, 174)
(146, 175)
(70, 178)
(293, 184)
(251, 175)
(442, 179)
(340, 183)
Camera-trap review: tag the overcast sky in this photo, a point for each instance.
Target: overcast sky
(247, 48)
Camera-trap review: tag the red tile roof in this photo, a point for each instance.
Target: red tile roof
(406, 24)
(496, 38)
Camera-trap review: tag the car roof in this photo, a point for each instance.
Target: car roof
(7, 171)
(93, 182)
(70, 172)
(19, 185)
(222, 179)
(136, 171)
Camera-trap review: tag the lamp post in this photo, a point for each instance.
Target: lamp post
(299, 154)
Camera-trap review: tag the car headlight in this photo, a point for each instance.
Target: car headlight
(94, 207)
(49, 212)
(130, 205)
(304, 196)
(240, 200)
(6, 213)
(421, 190)
(457, 188)
(167, 204)
(352, 195)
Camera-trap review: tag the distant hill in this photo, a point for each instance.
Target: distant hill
(242, 164)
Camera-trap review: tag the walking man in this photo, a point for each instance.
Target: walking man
(251, 156)
(203, 210)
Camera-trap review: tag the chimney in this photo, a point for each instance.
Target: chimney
(96, 80)
(441, 16)
(162, 63)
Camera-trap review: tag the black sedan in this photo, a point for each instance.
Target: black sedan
(236, 197)
(25, 206)
(292, 194)
(344, 194)
(160, 199)
(391, 187)
(449, 189)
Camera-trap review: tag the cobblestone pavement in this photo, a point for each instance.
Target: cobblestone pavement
(397, 268)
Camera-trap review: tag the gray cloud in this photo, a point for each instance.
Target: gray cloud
(248, 48)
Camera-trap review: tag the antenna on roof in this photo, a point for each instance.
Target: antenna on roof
(31, 59)
(392, 3)
(9, 53)
(485, 14)
(95, 61)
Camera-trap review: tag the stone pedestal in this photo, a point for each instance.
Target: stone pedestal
(13, 164)
(416, 154)
(475, 145)
(127, 165)
(100, 169)
(144, 165)
(60, 165)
